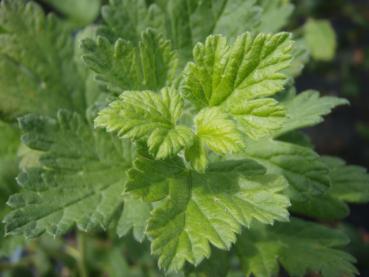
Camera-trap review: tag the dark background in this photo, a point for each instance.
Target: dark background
(345, 133)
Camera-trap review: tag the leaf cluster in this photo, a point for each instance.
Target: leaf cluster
(178, 120)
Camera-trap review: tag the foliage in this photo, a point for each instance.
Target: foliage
(177, 123)
(320, 39)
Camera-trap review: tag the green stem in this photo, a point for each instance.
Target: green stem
(82, 259)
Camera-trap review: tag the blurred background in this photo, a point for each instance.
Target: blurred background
(345, 133)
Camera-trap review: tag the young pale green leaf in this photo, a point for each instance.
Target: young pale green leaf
(37, 73)
(301, 247)
(122, 66)
(250, 68)
(238, 77)
(214, 130)
(217, 131)
(320, 38)
(307, 109)
(210, 208)
(150, 117)
(259, 117)
(134, 216)
(275, 14)
(80, 181)
(301, 166)
(167, 143)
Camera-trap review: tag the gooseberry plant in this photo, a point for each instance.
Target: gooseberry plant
(177, 120)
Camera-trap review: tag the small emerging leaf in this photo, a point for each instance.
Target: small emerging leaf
(258, 118)
(150, 117)
(217, 131)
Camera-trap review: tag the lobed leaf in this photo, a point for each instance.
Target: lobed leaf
(323, 207)
(301, 166)
(217, 131)
(150, 117)
(259, 117)
(193, 217)
(184, 23)
(127, 19)
(210, 208)
(300, 247)
(122, 66)
(238, 78)
(250, 68)
(37, 73)
(80, 181)
(307, 109)
(349, 183)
